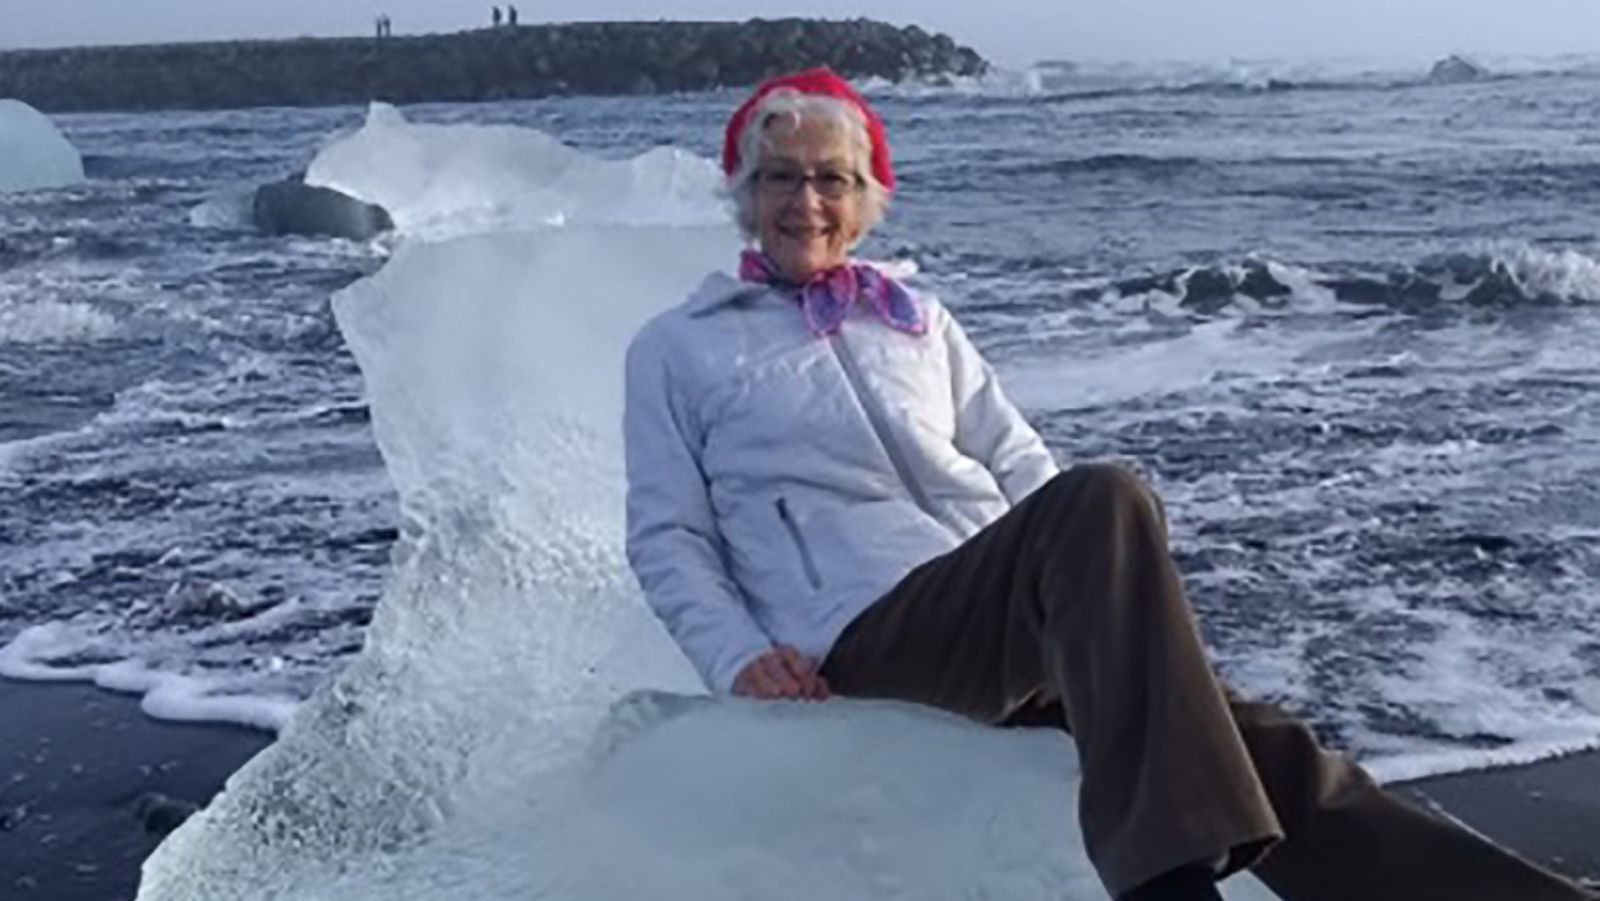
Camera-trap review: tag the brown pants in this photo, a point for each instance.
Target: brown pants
(1070, 606)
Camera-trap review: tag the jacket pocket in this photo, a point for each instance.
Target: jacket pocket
(813, 577)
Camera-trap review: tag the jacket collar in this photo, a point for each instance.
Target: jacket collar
(719, 288)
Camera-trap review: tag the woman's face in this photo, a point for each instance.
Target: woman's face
(808, 196)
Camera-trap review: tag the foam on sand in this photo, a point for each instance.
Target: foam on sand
(163, 695)
(33, 153)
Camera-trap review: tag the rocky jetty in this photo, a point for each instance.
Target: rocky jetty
(487, 64)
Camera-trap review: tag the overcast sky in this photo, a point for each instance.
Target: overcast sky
(1007, 31)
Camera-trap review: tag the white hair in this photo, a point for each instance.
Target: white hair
(788, 102)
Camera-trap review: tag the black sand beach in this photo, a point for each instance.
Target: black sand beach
(79, 767)
(77, 761)
(1549, 812)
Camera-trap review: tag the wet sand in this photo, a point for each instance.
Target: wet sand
(1549, 812)
(79, 768)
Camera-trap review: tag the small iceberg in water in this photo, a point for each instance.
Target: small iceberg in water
(439, 181)
(33, 153)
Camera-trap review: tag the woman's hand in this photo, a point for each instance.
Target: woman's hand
(782, 673)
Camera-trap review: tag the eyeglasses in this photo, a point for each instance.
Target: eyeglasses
(830, 184)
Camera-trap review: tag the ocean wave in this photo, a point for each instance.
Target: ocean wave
(14, 253)
(1510, 278)
(123, 167)
(998, 82)
(1066, 80)
(231, 209)
(46, 322)
(1111, 162)
(1057, 79)
(34, 242)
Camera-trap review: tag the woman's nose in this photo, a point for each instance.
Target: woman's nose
(808, 197)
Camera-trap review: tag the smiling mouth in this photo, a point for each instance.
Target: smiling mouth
(806, 234)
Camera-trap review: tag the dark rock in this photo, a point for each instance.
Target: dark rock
(159, 814)
(1260, 284)
(1456, 70)
(12, 817)
(1360, 290)
(1461, 268)
(1403, 290)
(291, 207)
(1491, 544)
(1146, 283)
(1414, 291)
(1500, 288)
(1207, 291)
(529, 61)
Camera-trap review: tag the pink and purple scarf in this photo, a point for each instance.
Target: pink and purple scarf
(827, 297)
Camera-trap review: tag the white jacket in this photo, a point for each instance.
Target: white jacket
(780, 482)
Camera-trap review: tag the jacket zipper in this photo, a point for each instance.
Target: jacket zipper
(806, 562)
(852, 374)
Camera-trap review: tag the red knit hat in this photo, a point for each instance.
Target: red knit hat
(820, 82)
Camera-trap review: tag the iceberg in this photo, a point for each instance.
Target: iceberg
(33, 153)
(518, 725)
(439, 181)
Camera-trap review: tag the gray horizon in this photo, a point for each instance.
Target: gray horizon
(1008, 32)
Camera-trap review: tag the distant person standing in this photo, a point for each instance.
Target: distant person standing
(511, 16)
(494, 16)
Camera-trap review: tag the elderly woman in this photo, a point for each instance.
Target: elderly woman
(828, 492)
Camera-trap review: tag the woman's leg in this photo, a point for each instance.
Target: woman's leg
(1071, 602)
(1345, 837)
(1072, 596)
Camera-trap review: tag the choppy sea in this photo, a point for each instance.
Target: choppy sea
(1348, 323)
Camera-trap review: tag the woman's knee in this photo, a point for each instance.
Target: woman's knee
(1102, 480)
(1100, 497)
